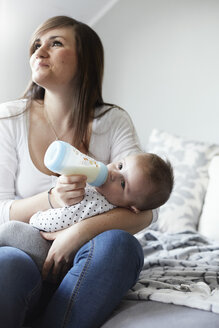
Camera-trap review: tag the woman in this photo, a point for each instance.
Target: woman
(91, 264)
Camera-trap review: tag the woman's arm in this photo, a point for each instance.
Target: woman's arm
(67, 242)
(69, 190)
(12, 147)
(23, 209)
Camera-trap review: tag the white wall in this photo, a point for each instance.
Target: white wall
(162, 58)
(18, 20)
(162, 65)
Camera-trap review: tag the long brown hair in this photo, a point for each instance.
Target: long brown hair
(89, 75)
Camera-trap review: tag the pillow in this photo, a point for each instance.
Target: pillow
(209, 220)
(190, 161)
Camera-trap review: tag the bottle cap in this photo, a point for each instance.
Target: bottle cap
(54, 155)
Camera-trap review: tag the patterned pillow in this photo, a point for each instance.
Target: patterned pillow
(209, 220)
(190, 160)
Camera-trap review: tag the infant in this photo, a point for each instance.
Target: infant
(138, 182)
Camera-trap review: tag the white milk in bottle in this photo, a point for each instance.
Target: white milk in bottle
(63, 158)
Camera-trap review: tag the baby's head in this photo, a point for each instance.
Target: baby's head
(139, 182)
(157, 181)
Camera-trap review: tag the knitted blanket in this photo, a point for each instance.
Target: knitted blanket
(180, 269)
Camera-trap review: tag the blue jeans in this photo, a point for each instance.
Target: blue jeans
(20, 286)
(103, 271)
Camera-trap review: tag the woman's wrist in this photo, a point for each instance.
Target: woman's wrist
(51, 199)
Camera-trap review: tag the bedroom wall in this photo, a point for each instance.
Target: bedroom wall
(162, 58)
(162, 65)
(18, 19)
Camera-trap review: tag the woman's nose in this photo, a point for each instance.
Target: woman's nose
(41, 52)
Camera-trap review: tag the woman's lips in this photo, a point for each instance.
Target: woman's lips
(41, 64)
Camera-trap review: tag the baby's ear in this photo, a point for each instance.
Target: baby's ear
(134, 209)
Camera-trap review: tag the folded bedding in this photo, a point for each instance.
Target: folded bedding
(181, 268)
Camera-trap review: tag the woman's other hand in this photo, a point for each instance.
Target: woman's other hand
(61, 254)
(69, 190)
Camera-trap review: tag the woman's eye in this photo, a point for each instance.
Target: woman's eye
(36, 46)
(56, 44)
(123, 184)
(120, 166)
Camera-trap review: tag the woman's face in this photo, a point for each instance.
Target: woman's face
(54, 61)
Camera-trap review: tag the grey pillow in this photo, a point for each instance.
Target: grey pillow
(190, 160)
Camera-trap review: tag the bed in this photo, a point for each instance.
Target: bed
(179, 283)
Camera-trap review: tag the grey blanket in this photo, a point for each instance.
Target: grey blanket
(180, 269)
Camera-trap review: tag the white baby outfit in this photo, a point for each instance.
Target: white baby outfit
(60, 218)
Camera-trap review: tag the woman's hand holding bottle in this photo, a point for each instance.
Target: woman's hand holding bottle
(69, 190)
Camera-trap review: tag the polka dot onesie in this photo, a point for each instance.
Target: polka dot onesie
(56, 219)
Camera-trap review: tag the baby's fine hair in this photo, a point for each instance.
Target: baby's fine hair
(161, 178)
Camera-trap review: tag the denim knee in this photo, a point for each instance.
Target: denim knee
(114, 260)
(20, 283)
(125, 248)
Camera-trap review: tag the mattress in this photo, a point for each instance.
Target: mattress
(142, 314)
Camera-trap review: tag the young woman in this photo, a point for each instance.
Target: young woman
(93, 263)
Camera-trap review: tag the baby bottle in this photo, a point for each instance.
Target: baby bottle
(63, 158)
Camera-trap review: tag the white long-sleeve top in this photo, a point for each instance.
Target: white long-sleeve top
(113, 137)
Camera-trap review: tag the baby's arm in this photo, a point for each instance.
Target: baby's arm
(61, 218)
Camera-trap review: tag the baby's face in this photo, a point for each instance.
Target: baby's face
(125, 183)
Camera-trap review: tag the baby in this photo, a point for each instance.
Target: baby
(138, 182)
